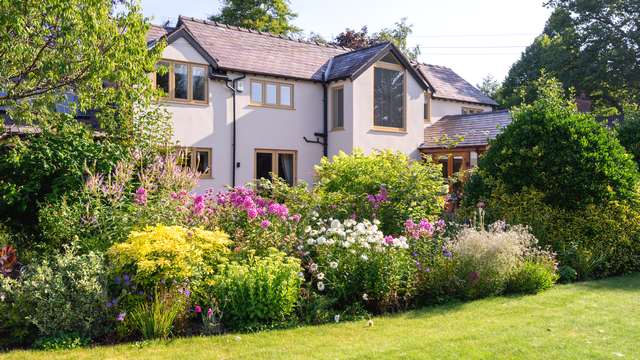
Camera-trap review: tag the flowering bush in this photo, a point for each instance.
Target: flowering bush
(168, 253)
(256, 291)
(354, 263)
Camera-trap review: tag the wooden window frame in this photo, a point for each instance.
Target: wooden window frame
(333, 120)
(400, 68)
(279, 84)
(466, 160)
(427, 107)
(170, 97)
(192, 153)
(274, 161)
(471, 110)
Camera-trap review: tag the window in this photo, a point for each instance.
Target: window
(388, 92)
(427, 107)
(452, 163)
(271, 94)
(468, 110)
(197, 159)
(281, 163)
(337, 107)
(182, 81)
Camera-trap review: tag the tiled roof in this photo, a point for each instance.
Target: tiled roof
(261, 53)
(156, 32)
(449, 85)
(477, 129)
(347, 64)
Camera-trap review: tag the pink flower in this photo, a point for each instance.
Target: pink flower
(252, 213)
(265, 224)
(198, 309)
(296, 218)
(209, 313)
(388, 239)
(141, 196)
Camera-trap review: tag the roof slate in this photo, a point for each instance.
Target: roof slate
(477, 129)
(156, 32)
(449, 85)
(347, 64)
(261, 53)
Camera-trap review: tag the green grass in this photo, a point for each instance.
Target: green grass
(599, 319)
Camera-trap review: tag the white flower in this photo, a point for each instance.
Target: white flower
(335, 224)
(364, 257)
(311, 241)
(307, 229)
(376, 222)
(314, 214)
(320, 276)
(365, 297)
(333, 264)
(2, 297)
(313, 267)
(321, 240)
(336, 318)
(301, 275)
(320, 286)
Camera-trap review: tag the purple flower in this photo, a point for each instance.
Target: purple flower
(121, 316)
(117, 280)
(127, 280)
(187, 292)
(446, 253)
(252, 213)
(265, 224)
(140, 196)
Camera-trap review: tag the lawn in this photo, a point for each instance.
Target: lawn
(599, 319)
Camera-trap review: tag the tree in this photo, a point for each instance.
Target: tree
(273, 16)
(591, 46)
(93, 49)
(397, 35)
(489, 86)
(629, 132)
(567, 156)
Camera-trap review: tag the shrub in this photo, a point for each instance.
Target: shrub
(155, 318)
(628, 132)
(485, 260)
(65, 294)
(355, 264)
(532, 277)
(567, 156)
(597, 241)
(61, 342)
(257, 291)
(168, 253)
(385, 185)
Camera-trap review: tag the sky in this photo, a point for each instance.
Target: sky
(475, 38)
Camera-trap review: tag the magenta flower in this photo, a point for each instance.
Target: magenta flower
(140, 196)
(209, 313)
(252, 213)
(198, 309)
(265, 224)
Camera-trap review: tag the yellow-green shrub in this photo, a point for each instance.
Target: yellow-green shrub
(169, 253)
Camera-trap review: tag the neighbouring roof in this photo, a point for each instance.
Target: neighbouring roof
(156, 32)
(449, 85)
(477, 129)
(251, 51)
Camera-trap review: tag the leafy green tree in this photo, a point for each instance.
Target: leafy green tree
(591, 46)
(397, 35)
(490, 87)
(629, 132)
(93, 49)
(274, 16)
(551, 148)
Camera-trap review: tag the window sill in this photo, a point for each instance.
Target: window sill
(337, 129)
(389, 129)
(264, 106)
(183, 102)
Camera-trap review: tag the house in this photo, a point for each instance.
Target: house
(246, 103)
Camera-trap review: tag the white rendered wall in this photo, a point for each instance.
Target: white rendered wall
(440, 108)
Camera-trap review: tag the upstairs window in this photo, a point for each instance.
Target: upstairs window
(272, 94)
(181, 81)
(337, 107)
(389, 98)
(470, 110)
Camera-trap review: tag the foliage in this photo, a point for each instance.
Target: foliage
(490, 87)
(112, 204)
(385, 185)
(486, 260)
(40, 169)
(169, 253)
(597, 241)
(64, 294)
(628, 132)
(272, 16)
(155, 318)
(565, 155)
(591, 46)
(397, 34)
(355, 264)
(109, 72)
(256, 291)
(61, 342)
(532, 277)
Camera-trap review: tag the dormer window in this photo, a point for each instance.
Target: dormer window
(183, 82)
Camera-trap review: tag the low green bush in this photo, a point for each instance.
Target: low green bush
(531, 277)
(256, 291)
(155, 318)
(61, 342)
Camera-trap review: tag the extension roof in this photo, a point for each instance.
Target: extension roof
(450, 86)
(476, 129)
